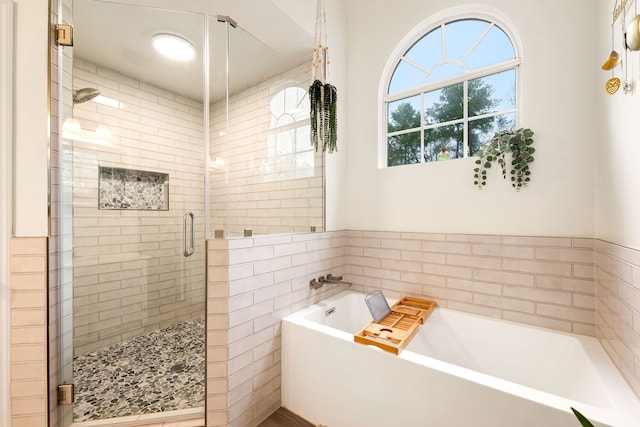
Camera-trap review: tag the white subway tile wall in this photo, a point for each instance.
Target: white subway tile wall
(259, 185)
(618, 307)
(252, 284)
(130, 274)
(540, 281)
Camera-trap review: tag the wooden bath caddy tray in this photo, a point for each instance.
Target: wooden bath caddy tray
(396, 329)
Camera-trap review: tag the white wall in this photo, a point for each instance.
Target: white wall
(336, 164)
(557, 103)
(618, 148)
(30, 118)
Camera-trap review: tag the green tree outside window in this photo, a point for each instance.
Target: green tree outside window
(430, 121)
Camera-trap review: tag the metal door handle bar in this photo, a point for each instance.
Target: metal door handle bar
(189, 244)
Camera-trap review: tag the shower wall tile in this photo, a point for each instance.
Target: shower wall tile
(259, 185)
(618, 307)
(130, 274)
(535, 280)
(217, 357)
(29, 357)
(267, 278)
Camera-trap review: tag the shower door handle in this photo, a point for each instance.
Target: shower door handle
(189, 234)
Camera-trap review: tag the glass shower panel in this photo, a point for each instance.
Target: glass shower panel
(265, 175)
(61, 230)
(137, 141)
(218, 153)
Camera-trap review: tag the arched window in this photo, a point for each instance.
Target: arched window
(453, 87)
(289, 152)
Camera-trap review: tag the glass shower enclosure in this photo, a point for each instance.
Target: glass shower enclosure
(154, 156)
(132, 176)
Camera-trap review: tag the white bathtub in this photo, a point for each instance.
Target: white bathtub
(459, 370)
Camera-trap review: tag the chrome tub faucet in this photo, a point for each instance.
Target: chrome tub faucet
(330, 278)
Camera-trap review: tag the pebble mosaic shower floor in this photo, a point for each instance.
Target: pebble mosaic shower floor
(157, 372)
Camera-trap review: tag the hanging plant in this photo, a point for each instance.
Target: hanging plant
(323, 96)
(323, 99)
(519, 143)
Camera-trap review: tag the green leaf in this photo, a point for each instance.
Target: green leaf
(583, 420)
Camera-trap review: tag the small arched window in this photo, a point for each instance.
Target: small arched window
(450, 91)
(289, 153)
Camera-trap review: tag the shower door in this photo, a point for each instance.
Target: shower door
(132, 177)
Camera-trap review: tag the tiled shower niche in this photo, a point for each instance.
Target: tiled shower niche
(132, 189)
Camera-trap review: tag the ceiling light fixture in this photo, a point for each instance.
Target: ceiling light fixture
(174, 47)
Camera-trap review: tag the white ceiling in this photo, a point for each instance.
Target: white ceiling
(271, 35)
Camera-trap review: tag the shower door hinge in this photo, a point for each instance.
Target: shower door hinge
(66, 394)
(64, 35)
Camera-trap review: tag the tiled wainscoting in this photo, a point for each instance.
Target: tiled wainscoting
(535, 280)
(618, 307)
(28, 332)
(252, 284)
(542, 281)
(562, 283)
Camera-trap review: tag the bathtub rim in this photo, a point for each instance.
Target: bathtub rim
(625, 405)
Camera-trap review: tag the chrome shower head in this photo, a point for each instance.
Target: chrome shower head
(84, 95)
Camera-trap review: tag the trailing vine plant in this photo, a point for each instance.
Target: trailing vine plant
(323, 96)
(324, 118)
(519, 143)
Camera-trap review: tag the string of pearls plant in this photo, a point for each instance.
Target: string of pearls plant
(519, 143)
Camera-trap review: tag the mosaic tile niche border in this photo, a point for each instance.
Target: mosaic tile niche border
(120, 188)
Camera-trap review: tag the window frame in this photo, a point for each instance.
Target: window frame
(275, 130)
(430, 24)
